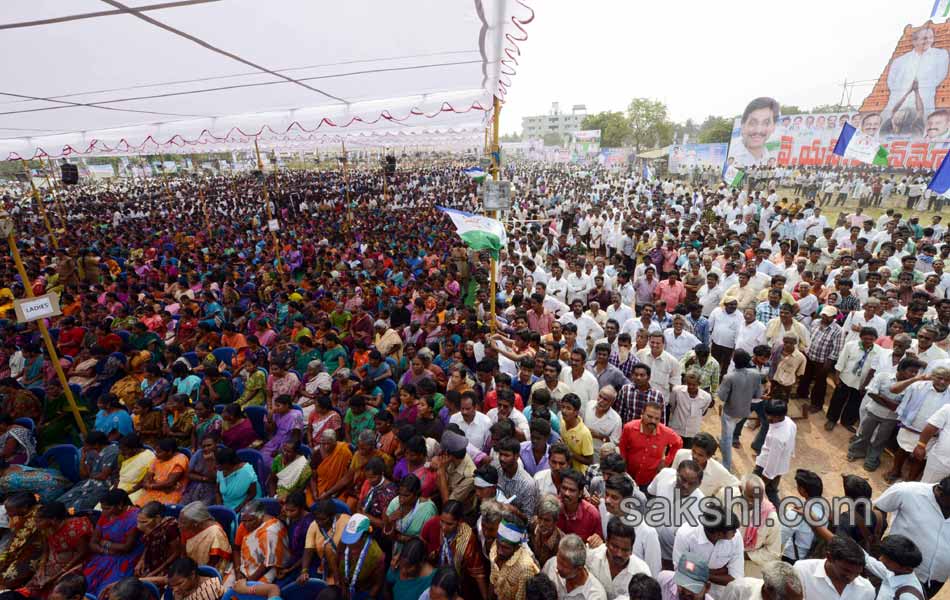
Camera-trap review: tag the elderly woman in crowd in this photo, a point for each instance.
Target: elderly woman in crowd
(451, 542)
(316, 383)
(261, 545)
(161, 540)
(289, 471)
(205, 540)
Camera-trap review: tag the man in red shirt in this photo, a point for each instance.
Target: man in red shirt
(577, 515)
(647, 445)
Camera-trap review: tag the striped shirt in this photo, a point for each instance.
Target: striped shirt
(631, 401)
(826, 342)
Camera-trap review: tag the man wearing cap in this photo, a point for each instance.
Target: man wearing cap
(690, 580)
(361, 563)
(570, 575)
(512, 563)
(718, 542)
(455, 471)
(827, 339)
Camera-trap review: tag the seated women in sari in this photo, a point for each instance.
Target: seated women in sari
(255, 381)
(155, 387)
(323, 536)
(202, 472)
(299, 520)
(206, 421)
(407, 512)
(166, 477)
(415, 462)
(237, 430)
(321, 419)
(48, 484)
(451, 542)
(186, 583)
(216, 387)
(129, 388)
(115, 544)
(19, 402)
(70, 587)
(134, 461)
(376, 493)
(237, 481)
(149, 422)
(161, 540)
(332, 461)
(412, 574)
(23, 555)
(112, 418)
(366, 450)
(262, 542)
(98, 470)
(316, 383)
(289, 472)
(284, 424)
(67, 547)
(16, 442)
(83, 370)
(179, 420)
(205, 540)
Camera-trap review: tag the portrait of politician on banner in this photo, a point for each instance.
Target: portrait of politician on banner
(912, 82)
(756, 137)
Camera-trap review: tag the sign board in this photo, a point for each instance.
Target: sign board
(273, 225)
(496, 195)
(33, 309)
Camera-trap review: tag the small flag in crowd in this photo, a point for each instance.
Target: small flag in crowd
(941, 9)
(941, 180)
(476, 174)
(733, 176)
(478, 232)
(647, 173)
(859, 146)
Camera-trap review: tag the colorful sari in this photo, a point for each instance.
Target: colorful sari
(161, 471)
(24, 554)
(411, 524)
(233, 487)
(133, 469)
(291, 477)
(48, 484)
(200, 490)
(105, 569)
(240, 435)
(333, 467)
(254, 394)
(266, 546)
(63, 550)
(320, 423)
(211, 542)
(87, 493)
(461, 552)
(157, 542)
(212, 423)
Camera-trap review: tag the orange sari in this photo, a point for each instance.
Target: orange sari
(161, 471)
(333, 468)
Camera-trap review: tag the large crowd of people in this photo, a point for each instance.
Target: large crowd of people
(330, 409)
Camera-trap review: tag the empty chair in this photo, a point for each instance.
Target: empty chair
(224, 354)
(341, 506)
(307, 591)
(208, 571)
(226, 517)
(271, 505)
(185, 451)
(388, 386)
(256, 460)
(152, 589)
(64, 457)
(256, 415)
(26, 422)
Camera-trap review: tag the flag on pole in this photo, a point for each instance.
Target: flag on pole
(647, 173)
(733, 176)
(941, 9)
(859, 146)
(478, 232)
(476, 173)
(941, 179)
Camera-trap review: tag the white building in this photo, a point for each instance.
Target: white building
(554, 122)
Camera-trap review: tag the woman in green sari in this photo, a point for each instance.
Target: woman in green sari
(207, 422)
(306, 352)
(289, 471)
(216, 387)
(334, 357)
(255, 384)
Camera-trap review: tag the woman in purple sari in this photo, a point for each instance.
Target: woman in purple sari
(202, 472)
(285, 424)
(298, 519)
(115, 543)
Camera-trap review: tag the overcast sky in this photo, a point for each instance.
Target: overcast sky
(703, 57)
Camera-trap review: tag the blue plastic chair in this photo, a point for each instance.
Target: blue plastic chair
(208, 571)
(226, 517)
(256, 415)
(271, 505)
(341, 506)
(186, 452)
(192, 358)
(173, 510)
(91, 596)
(124, 335)
(256, 459)
(389, 388)
(219, 408)
(224, 354)
(307, 591)
(66, 458)
(26, 422)
(152, 589)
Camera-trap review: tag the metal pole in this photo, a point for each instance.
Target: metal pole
(52, 189)
(39, 203)
(270, 214)
(492, 285)
(50, 348)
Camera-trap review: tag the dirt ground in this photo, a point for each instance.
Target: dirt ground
(824, 452)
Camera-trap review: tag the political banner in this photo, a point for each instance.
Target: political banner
(688, 157)
(585, 144)
(613, 158)
(101, 171)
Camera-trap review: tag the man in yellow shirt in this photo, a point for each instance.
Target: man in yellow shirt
(575, 434)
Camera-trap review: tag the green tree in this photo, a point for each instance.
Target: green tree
(791, 110)
(715, 130)
(553, 139)
(681, 130)
(613, 126)
(511, 137)
(649, 124)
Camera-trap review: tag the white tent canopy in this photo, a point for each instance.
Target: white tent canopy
(93, 77)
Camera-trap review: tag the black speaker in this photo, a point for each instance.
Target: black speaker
(390, 164)
(69, 173)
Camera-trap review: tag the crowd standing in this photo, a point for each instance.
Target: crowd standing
(331, 411)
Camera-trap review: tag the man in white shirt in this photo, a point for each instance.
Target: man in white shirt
(578, 284)
(839, 575)
(778, 449)
(678, 340)
(724, 324)
(684, 480)
(715, 476)
(864, 318)
(557, 285)
(751, 332)
(587, 328)
(665, 370)
(718, 544)
(613, 563)
(710, 294)
(568, 571)
(581, 381)
(617, 310)
(921, 512)
(473, 423)
(854, 370)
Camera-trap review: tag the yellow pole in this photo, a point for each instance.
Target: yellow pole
(52, 189)
(270, 215)
(40, 205)
(494, 173)
(50, 348)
